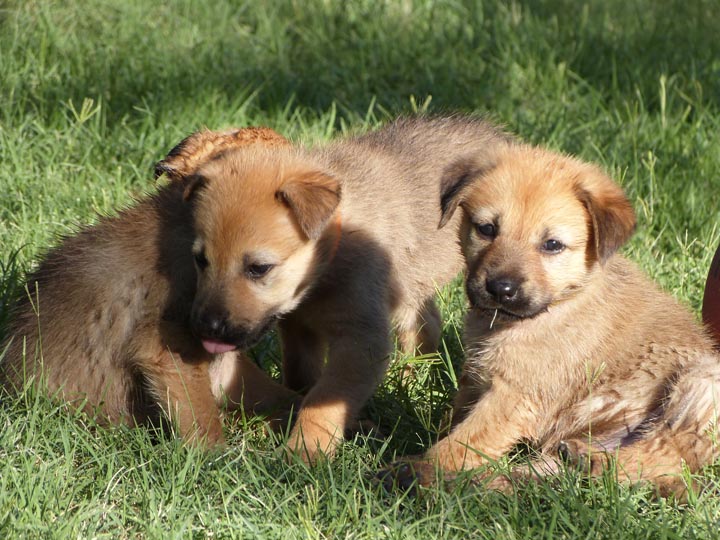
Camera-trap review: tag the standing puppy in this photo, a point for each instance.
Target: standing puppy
(105, 321)
(338, 243)
(569, 346)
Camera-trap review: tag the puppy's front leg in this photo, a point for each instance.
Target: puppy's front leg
(497, 422)
(357, 360)
(419, 329)
(469, 392)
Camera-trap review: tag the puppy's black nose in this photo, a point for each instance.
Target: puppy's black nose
(503, 290)
(212, 324)
(215, 324)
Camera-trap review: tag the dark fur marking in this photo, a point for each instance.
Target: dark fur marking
(456, 178)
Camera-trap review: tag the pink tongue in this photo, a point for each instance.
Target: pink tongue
(217, 347)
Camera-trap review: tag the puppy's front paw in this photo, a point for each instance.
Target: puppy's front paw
(311, 443)
(406, 476)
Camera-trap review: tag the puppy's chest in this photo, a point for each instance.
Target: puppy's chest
(537, 364)
(495, 357)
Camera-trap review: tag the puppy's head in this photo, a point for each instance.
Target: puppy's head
(263, 219)
(537, 225)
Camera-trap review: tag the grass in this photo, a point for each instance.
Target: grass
(95, 91)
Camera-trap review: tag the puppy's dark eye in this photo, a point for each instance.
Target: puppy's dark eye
(201, 260)
(256, 271)
(486, 229)
(552, 246)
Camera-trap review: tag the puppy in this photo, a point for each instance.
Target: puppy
(339, 244)
(569, 347)
(105, 321)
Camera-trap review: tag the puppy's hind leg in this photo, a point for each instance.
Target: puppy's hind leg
(685, 436)
(184, 393)
(419, 329)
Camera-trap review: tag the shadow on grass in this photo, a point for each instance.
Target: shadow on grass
(623, 47)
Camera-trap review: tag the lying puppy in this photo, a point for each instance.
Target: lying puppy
(569, 346)
(339, 244)
(105, 321)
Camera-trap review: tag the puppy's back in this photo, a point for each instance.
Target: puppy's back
(391, 182)
(422, 139)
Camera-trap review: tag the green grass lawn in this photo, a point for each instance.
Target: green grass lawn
(93, 92)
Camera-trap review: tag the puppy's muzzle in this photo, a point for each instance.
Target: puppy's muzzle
(215, 324)
(502, 293)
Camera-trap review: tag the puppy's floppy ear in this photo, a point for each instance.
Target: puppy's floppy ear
(611, 215)
(200, 147)
(457, 177)
(312, 197)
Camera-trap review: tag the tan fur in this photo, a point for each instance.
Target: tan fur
(340, 244)
(104, 322)
(594, 361)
